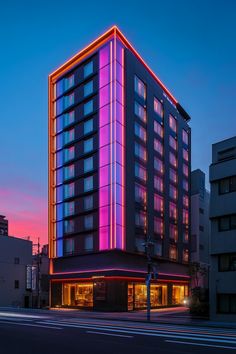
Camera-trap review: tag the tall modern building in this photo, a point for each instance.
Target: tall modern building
(119, 171)
(223, 231)
(3, 225)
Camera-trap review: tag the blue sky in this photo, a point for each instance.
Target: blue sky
(191, 45)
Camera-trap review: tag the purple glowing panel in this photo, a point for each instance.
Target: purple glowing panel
(59, 158)
(104, 76)
(59, 124)
(104, 237)
(104, 155)
(119, 154)
(104, 136)
(119, 71)
(119, 52)
(104, 176)
(104, 196)
(119, 130)
(59, 245)
(104, 216)
(104, 115)
(119, 109)
(104, 96)
(119, 92)
(104, 56)
(119, 191)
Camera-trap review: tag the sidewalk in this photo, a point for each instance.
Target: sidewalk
(171, 316)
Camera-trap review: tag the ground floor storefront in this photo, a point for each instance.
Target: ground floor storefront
(116, 293)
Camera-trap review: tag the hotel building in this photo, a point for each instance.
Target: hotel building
(119, 171)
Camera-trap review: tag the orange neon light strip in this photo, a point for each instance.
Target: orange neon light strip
(69, 64)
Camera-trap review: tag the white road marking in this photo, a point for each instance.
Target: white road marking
(200, 344)
(199, 337)
(109, 334)
(29, 324)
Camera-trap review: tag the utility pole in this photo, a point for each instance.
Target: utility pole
(38, 277)
(148, 247)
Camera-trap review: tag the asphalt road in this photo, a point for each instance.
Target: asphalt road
(37, 333)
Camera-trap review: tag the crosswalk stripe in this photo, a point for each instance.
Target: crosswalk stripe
(200, 344)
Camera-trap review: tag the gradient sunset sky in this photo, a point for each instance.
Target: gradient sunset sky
(191, 45)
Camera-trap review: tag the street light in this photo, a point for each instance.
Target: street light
(148, 244)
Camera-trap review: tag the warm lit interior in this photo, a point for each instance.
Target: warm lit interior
(75, 294)
(158, 295)
(177, 294)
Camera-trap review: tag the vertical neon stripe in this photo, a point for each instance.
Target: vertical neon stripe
(111, 151)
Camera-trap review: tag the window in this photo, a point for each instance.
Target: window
(140, 219)
(88, 222)
(172, 123)
(185, 185)
(227, 262)
(140, 194)
(139, 244)
(140, 132)
(173, 211)
(158, 248)
(227, 185)
(173, 192)
(158, 107)
(69, 154)
(158, 184)
(185, 256)
(88, 88)
(64, 84)
(88, 107)
(140, 111)
(140, 151)
(185, 155)
(88, 164)
(226, 223)
(69, 246)
(173, 252)
(16, 260)
(226, 303)
(158, 165)
(69, 226)
(173, 232)
(69, 208)
(185, 217)
(173, 159)
(185, 170)
(88, 202)
(140, 172)
(69, 172)
(201, 210)
(88, 145)
(88, 184)
(173, 142)
(139, 87)
(88, 69)
(88, 126)
(185, 201)
(68, 100)
(158, 146)
(158, 129)
(17, 284)
(158, 203)
(69, 190)
(185, 137)
(173, 175)
(185, 236)
(69, 118)
(69, 136)
(88, 243)
(158, 226)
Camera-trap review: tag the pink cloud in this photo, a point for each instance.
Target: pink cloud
(26, 212)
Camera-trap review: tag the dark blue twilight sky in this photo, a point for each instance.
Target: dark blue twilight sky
(191, 45)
